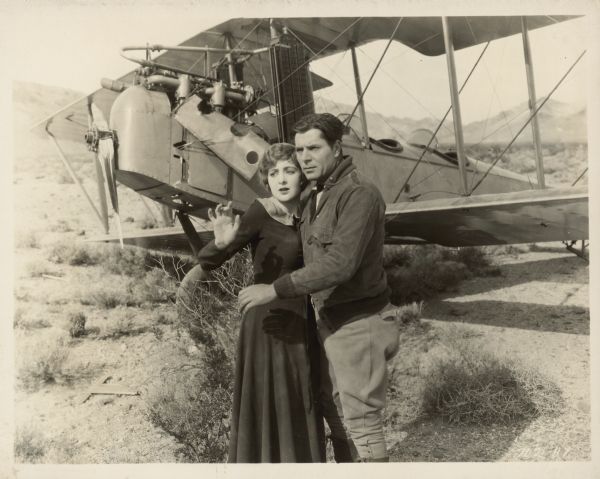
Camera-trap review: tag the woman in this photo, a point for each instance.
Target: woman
(274, 417)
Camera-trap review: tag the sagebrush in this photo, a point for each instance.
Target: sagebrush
(194, 406)
(416, 273)
(472, 385)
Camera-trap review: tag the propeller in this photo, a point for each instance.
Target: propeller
(100, 140)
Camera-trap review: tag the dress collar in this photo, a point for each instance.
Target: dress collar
(277, 211)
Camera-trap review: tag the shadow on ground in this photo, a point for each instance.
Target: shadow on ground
(559, 318)
(547, 270)
(536, 317)
(436, 441)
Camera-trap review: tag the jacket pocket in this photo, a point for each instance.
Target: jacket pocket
(320, 236)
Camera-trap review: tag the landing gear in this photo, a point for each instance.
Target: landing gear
(582, 252)
(196, 275)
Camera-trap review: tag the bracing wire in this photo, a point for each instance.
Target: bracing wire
(580, 176)
(527, 123)
(416, 100)
(333, 70)
(358, 102)
(422, 155)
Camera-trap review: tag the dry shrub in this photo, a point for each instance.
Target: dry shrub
(73, 253)
(61, 226)
(209, 313)
(36, 268)
(155, 286)
(195, 415)
(123, 327)
(128, 261)
(76, 322)
(30, 445)
(43, 364)
(148, 223)
(472, 385)
(195, 406)
(108, 297)
(23, 319)
(419, 272)
(410, 313)
(27, 239)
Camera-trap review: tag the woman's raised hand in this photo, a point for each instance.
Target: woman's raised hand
(225, 225)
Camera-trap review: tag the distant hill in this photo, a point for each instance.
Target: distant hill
(33, 102)
(559, 123)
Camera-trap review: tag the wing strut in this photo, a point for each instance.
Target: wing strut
(535, 128)
(458, 131)
(363, 114)
(360, 98)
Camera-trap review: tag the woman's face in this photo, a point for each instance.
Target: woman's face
(284, 181)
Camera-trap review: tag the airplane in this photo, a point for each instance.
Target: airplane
(188, 126)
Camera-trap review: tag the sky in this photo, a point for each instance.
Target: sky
(75, 45)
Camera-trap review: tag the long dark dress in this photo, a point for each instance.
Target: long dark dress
(275, 416)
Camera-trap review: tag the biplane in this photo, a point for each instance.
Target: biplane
(187, 127)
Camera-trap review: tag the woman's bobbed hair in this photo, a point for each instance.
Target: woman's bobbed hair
(278, 152)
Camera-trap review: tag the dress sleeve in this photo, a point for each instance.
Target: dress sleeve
(211, 257)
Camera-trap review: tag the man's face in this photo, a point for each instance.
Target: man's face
(316, 157)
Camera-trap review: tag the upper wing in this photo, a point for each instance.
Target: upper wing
(323, 36)
(424, 34)
(507, 218)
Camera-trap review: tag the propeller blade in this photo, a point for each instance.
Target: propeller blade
(106, 156)
(106, 153)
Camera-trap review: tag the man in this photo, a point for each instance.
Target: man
(342, 230)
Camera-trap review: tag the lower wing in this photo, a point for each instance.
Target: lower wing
(171, 239)
(532, 216)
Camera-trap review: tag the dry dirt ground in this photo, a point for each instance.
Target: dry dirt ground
(537, 313)
(536, 310)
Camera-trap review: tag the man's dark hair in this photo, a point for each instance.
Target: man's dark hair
(331, 127)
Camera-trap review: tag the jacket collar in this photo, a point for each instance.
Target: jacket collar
(343, 168)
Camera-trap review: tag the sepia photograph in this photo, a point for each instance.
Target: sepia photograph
(259, 233)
